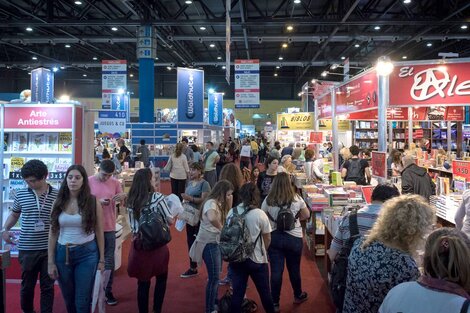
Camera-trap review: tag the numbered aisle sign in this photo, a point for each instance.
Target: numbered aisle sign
(461, 168)
(111, 122)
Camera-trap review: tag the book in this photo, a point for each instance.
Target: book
(62, 164)
(19, 142)
(14, 186)
(52, 142)
(37, 142)
(65, 142)
(5, 141)
(16, 163)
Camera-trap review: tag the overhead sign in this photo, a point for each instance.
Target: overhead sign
(247, 84)
(146, 42)
(358, 94)
(113, 78)
(379, 164)
(190, 95)
(38, 117)
(42, 85)
(228, 35)
(343, 125)
(215, 104)
(437, 113)
(430, 84)
(324, 107)
(295, 121)
(111, 122)
(461, 168)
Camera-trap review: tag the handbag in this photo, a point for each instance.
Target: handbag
(190, 214)
(153, 231)
(168, 165)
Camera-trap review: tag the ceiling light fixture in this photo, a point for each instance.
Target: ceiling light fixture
(281, 58)
(224, 67)
(188, 2)
(429, 44)
(67, 46)
(156, 58)
(377, 27)
(284, 45)
(114, 29)
(296, 1)
(55, 69)
(34, 58)
(131, 75)
(357, 45)
(334, 66)
(62, 67)
(95, 58)
(278, 67)
(212, 45)
(202, 28)
(313, 81)
(384, 66)
(168, 68)
(462, 27)
(290, 28)
(78, 2)
(324, 73)
(343, 58)
(406, 1)
(275, 74)
(219, 58)
(29, 29)
(404, 57)
(84, 75)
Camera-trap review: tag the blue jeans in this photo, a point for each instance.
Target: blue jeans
(287, 249)
(77, 278)
(109, 247)
(213, 260)
(259, 273)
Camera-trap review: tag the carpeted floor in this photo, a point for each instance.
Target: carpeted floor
(187, 295)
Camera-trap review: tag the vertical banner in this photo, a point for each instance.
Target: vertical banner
(42, 85)
(190, 95)
(215, 103)
(228, 35)
(113, 80)
(379, 164)
(346, 70)
(247, 84)
(304, 97)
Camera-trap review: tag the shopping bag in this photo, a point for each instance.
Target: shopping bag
(101, 280)
(174, 204)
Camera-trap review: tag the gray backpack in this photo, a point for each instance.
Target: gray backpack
(236, 244)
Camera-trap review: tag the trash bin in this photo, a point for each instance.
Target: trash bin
(118, 249)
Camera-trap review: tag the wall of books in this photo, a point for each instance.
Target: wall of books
(33, 131)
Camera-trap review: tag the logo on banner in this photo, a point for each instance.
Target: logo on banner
(434, 81)
(190, 97)
(216, 109)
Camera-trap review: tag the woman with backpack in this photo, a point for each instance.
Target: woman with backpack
(285, 208)
(206, 245)
(145, 264)
(256, 266)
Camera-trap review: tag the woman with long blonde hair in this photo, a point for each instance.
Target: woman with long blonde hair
(384, 259)
(286, 245)
(206, 246)
(445, 284)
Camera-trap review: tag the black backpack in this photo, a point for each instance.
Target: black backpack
(153, 231)
(235, 243)
(285, 220)
(339, 271)
(354, 171)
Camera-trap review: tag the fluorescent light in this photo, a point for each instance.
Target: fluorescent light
(212, 45)
(462, 27)
(84, 75)
(78, 2)
(29, 29)
(55, 69)
(188, 2)
(406, 1)
(114, 28)
(343, 58)
(67, 46)
(95, 58)
(377, 27)
(290, 27)
(296, 1)
(404, 57)
(281, 58)
(34, 58)
(357, 45)
(284, 45)
(219, 58)
(202, 28)
(429, 44)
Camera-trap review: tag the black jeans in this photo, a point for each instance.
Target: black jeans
(178, 187)
(143, 288)
(259, 273)
(191, 232)
(109, 247)
(286, 249)
(34, 263)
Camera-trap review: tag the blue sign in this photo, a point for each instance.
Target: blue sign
(190, 95)
(42, 85)
(215, 103)
(112, 114)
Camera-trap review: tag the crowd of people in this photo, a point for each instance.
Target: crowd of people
(68, 234)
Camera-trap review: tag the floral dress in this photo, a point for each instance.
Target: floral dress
(372, 272)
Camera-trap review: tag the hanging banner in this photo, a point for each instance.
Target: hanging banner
(215, 103)
(358, 94)
(190, 95)
(379, 164)
(430, 84)
(247, 84)
(452, 114)
(228, 35)
(295, 121)
(228, 117)
(324, 107)
(42, 85)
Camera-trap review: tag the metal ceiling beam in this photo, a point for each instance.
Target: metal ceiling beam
(245, 34)
(302, 38)
(220, 22)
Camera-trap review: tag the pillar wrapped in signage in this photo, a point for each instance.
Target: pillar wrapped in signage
(190, 95)
(215, 103)
(42, 85)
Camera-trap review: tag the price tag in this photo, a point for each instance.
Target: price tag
(379, 164)
(461, 168)
(56, 175)
(15, 175)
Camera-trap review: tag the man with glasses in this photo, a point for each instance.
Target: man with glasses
(108, 191)
(34, 205)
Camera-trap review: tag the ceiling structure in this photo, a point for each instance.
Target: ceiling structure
(77, 35)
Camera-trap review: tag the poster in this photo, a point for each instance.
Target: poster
(379, 164)
(215, 104)
(247, 84)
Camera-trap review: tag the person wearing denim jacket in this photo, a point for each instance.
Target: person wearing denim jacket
(76, 240)
(206, 245)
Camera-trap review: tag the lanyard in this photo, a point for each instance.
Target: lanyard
(43, 201)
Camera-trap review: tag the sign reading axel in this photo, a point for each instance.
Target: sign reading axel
(190, 95)
(215, 103)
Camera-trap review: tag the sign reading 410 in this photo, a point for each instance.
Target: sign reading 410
(112, 121)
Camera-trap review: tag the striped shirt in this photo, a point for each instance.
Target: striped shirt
(32, 210)
(157, 203)
(366, 218)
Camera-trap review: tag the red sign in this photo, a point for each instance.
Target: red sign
(36, 117)
(461, 168)
(316, 137)
(358, 94)
(379, 164)
(324, 107)
(430, 84)
(419, 114)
